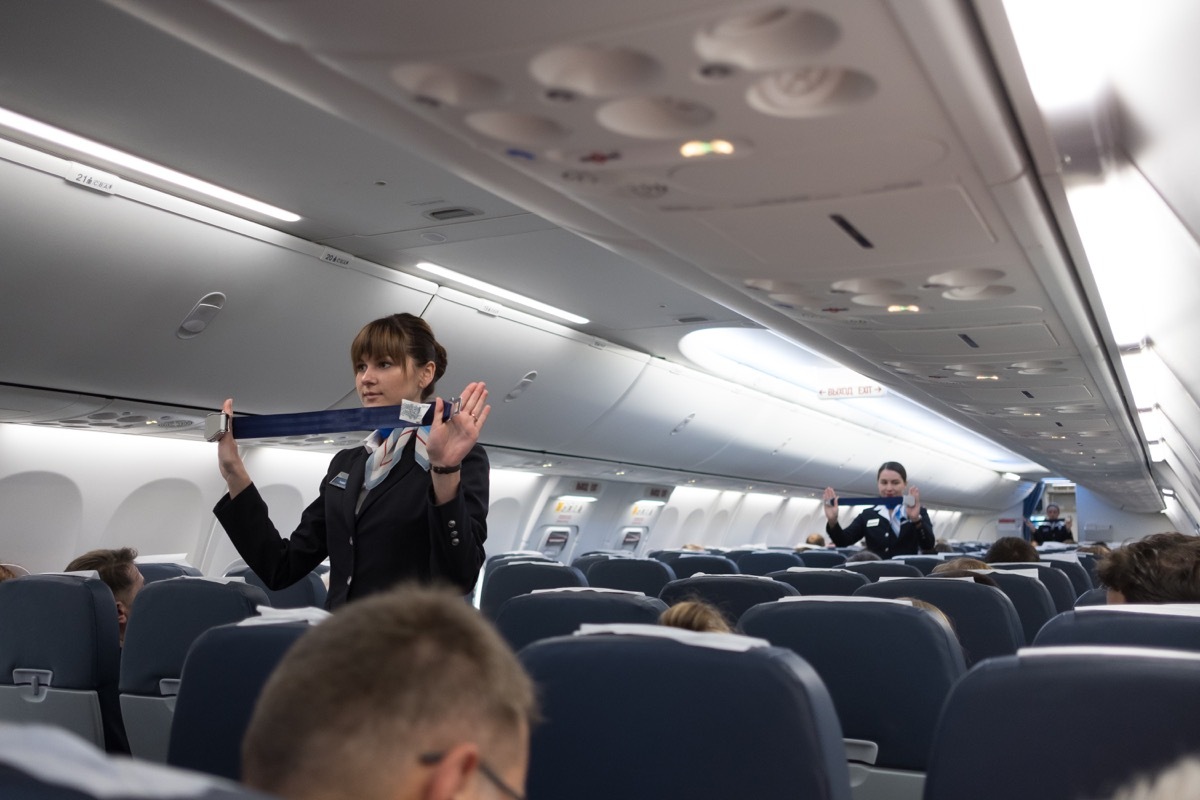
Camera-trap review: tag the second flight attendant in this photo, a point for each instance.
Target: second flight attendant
(903, 530)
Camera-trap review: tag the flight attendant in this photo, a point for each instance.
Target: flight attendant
(410, 504)
(903, 530)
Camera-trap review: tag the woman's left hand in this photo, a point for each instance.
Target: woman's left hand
(914, 511)
(450, 441)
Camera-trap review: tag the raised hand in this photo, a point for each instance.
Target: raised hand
(451, 441)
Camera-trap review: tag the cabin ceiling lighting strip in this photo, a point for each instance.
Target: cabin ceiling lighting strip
(57, 136)
(483, 286)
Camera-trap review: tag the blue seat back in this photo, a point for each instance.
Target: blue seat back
(1169, 626)
(60, 656)
(1030, 598)
(1081, 581)
(689, 565)
(161, 570)
(732, 594)
(984, 618)
(852, 645)
(834, 581)
(822, 558)
(529, 618)
(1094, 597)
(645, 575)
(1109, 713)
(1056, 581)
(522, 577)
(924, 564)
(874, 570)
(774, 732)
(223, 676)
(1090, 563)
(308, 591)
(585, 563)
(166, 618)
(763, 562)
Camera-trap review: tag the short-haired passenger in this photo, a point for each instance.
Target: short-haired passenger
(1008, 549)
(815, 539)
(695, 615)
(863, 555)
(1162, 568)
(902, 530)
(119, 572)
(405, 695)
(959, 564)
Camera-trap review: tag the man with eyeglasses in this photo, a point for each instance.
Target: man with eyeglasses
(403, 695)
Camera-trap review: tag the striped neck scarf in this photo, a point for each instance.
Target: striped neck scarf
(386, 445)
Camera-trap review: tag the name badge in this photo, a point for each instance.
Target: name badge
(871, 523)
(340, 480)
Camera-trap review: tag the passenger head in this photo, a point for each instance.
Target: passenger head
(403, 695)
(6, 573)
(863, 555)
(937, 613)
(117, 570)
(1010, 548)
(892, 479)
(693, 548)
(404, 337)
(695, 615)
(942, 546)
(1095, 548)
(959, 564)
(1163, 568)
(986, 580)
(815, 538)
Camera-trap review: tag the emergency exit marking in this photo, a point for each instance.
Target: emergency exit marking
(848, 392)
(90, 178)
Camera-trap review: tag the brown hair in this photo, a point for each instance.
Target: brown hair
(403, 337)
(116, 568)
(695, 615)
(1162, 568)
(894, 466)
(1010, 548)
(358, 698)
(957, 564)
(6, 573)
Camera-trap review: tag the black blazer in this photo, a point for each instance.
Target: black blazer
(398, 535)
(1052, 531)
(877, 530)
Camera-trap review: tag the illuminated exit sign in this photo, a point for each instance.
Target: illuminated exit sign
(850, 392)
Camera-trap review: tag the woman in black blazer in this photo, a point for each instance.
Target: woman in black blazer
(904, 530)
(410, 504)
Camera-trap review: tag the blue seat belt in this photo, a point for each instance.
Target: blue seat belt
(314, 422)
(890, 502)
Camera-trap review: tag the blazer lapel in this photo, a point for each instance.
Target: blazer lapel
(354, 485)
(407, 462)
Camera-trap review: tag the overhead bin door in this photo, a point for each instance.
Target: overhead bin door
(672, 417)
(546, 382)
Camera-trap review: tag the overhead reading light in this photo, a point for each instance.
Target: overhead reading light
(903, 309)
(483, 286)
(696, 148)
(52, 135)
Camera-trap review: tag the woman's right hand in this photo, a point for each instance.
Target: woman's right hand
(229, 460)
(830, 502)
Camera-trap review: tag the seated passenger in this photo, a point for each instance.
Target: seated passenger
(863, 555)
(407, 694)
(815, 539)
(901, 530)
(117, 570)
(6, 573)
(1163, 568)
(937, 613)
(942, 546)
(1010, 548)
(695, 615)
(986, 580)
(1052, 528)
(959, 564)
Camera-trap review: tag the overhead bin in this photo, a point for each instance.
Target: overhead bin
(546, 382)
